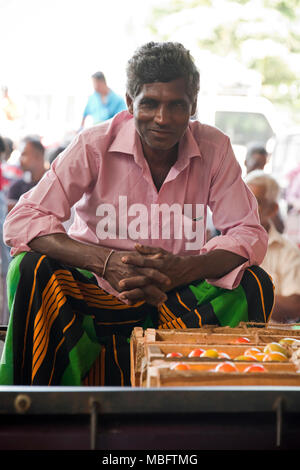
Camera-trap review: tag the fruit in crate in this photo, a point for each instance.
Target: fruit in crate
(213, 353)
(241, 339)
(284, 341)
(223, 355)
(180, 366)
(251, 351)
(226, 367)
(174, 354)
(242, 357)
(259, 356)
(275, 356)
(275, 347)
(196, 352)
(254, 368)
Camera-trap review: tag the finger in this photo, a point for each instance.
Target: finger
(154, 295)
(133, 282)
(155, 275)
(151, 294)
(149, 250)
(154, 261)
(133, 296)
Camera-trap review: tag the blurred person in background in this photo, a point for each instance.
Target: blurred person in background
(256, 159)
(33, 165)
(104, 103)
(282, 260)
(11, 170)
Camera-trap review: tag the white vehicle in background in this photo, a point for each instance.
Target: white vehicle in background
(286, 155)
(245, 119)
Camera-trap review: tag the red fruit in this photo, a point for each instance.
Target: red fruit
(196, 352)
(255, 368)
(174, 354)
(180, 367)
(242, 339)
(226, 367)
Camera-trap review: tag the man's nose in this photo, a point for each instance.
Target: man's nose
(162, 115)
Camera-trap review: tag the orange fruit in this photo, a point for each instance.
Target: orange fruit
(251, 351)
(223, 355)
(210, 353)
(180, 366)
(242, 339)
(275, 356)
(196, 352)
(226, 367)
(255, 368)
(259, 356)
(174, 354)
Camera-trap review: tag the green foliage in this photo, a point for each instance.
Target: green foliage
(228, 38)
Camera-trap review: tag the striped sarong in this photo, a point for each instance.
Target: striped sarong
(65, 330)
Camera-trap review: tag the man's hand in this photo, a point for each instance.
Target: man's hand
(136, 280)
(154, 259)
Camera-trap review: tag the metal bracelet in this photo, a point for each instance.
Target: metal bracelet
(106, 261)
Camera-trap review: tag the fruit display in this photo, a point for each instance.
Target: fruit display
(199, 357)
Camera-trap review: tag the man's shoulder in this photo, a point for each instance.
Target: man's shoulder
(206, 133)
(106, 132)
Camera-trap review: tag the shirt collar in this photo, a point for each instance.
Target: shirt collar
(128, 141)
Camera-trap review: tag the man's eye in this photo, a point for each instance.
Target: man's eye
(148, 104)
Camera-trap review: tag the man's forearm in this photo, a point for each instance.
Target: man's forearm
(71, 252)
(212, 265)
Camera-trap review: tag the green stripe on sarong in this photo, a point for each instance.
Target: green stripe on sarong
(229, 306)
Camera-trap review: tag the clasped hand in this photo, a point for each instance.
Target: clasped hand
(145, 274)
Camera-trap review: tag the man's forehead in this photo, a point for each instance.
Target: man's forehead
(173, 87)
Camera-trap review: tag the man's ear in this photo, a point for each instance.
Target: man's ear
(129, 102)
(194, 108)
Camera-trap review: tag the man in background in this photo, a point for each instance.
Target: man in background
(33, 164)
(282, 260)
(104, 103)
(256, 158)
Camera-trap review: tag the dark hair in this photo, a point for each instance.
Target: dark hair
(99, 76)
(2, 145)
(35, 142)
(256, 148)
(162, 62)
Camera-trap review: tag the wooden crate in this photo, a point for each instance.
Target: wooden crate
(151, 367)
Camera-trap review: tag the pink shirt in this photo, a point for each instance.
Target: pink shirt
(105, 176)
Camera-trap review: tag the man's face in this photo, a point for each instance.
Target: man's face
(28, 157)
(161, 112)
(257, 161)
(99, 85)
(266, 209)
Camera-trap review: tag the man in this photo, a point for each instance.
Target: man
(282, 260)
(140, 185)
(104, 103)
(31, 161)
(256, 158)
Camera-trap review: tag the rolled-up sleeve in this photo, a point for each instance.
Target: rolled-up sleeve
(43, 209)
(235, 215)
